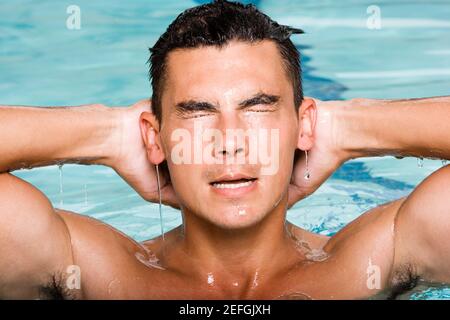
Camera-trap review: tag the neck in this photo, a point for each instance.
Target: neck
(241, 252)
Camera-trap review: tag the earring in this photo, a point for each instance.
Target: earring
(160, 202)
(307, 174)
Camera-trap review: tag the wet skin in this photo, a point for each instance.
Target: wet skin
(339, 271)
(219, 253)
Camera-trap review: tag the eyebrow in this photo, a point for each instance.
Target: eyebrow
(190, 106)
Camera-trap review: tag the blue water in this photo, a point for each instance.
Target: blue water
(42, 62)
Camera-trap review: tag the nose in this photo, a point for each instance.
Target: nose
(229, 151)
(234, 140)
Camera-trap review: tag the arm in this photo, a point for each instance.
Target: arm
(367, 128)
(35, 243)
(420, 128)
(92, 134)
(422, 229)
(414, 127)
(32, 137)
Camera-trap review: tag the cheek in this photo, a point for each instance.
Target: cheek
(289, 139)
(184, 174)
(288, 145)
(187, 184)
(286, 153)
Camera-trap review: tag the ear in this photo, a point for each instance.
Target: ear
(307, 114)
(150, 134)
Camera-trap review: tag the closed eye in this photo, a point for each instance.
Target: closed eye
(260, 103)
(193, 109)
(261, 110)
(200, 115)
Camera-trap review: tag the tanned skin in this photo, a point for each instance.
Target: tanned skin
(216, 253)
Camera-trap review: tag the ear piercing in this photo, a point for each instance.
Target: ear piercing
(307, 175)
(160, 202)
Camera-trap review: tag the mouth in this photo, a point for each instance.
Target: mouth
(234, 185)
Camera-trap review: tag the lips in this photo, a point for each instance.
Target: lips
(233, 184)
(231, 178)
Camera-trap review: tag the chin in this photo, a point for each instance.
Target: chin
(237, 218)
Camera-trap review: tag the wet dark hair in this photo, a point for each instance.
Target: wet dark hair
(215, 24)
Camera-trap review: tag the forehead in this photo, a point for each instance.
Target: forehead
(233, 71)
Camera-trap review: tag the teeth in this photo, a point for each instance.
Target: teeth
(232, 185)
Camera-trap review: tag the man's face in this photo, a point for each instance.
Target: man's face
(229, 131)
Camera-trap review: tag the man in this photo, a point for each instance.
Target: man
(224, 66)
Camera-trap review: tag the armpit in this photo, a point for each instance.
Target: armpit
(403, 279)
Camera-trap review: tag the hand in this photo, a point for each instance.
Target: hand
(324, 157)
(131, 162)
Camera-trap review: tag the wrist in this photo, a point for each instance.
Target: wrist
(336, 115)
(352, 132)
(362, 129)
(110, 134)
(93, 129)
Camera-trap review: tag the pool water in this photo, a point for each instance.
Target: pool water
(42, 62)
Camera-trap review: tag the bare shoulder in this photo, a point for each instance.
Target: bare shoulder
(88, 234)
(423, 226)
(365, 250)
(376, 223)
(34, 241)
(101, 251)
(41, 246)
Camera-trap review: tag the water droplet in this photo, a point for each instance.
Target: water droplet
(149, 259)
(210, 279)
(112, 284)
(255, 280)
(307, 175)
(61, 190)
(317, 255)
(420, 162)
